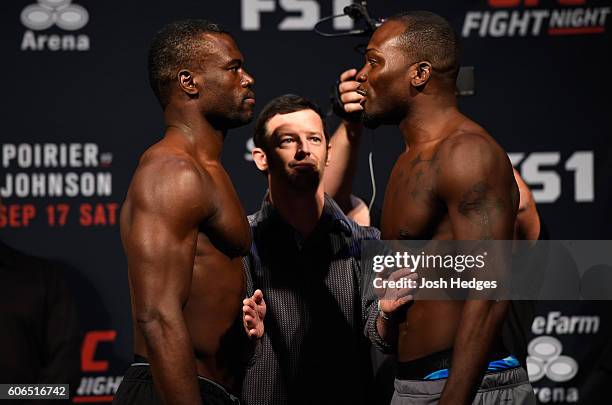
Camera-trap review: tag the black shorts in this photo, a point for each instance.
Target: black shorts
(137, 388)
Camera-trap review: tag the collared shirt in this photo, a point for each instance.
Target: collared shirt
(314, 349)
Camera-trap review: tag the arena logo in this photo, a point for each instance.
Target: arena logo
(570, 17)
(46, 14)
(53, 182)
(308, 13)
(546, 359)
(100, 388)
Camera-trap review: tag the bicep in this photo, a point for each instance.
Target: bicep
(480, 196)
(160, 237)
(480, 211)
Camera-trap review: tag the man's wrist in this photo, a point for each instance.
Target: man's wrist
(354, 129)
(385, 316)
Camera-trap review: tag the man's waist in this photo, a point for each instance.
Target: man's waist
(437, 365)
(206, 385)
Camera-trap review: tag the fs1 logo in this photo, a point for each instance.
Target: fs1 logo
(538, 169)
(571, 17)
(309, 12)
(46, 14)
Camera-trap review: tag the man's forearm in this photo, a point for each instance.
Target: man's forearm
(480, 324)
(339, 175)
(173, 366)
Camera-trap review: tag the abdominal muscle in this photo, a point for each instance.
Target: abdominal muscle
(430, 327)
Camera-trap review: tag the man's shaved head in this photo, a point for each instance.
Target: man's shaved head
(177, 45)
(429, 37)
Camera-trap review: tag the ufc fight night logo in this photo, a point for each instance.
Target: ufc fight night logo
(528, 18)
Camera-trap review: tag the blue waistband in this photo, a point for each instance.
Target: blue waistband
(494, 366)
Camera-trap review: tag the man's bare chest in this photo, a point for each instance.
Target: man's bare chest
(411, 208)
(227, 229)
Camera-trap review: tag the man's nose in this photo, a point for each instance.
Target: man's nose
(303, 149)
(247, 80)
(362, 75)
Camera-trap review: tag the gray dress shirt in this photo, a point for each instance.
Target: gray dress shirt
(321, 314)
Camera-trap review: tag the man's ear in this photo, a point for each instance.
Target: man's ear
(422, 74)
(260, 159)
(187, 82)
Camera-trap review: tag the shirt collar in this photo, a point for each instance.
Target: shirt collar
(332, 217)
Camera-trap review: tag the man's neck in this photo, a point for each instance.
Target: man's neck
(300, 209)
(206, 140)
(427, 120)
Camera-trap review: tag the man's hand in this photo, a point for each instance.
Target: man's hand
(253, 314)
(351, 100)
(393, 298)
(347, 104)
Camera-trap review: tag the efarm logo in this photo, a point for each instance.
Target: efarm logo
(530, 18)
(551, 371)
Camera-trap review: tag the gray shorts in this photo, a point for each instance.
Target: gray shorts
(504, 387)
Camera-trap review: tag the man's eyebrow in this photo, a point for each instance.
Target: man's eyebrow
(283, 132)
(280, 131)
(235, 61)
(371, 50)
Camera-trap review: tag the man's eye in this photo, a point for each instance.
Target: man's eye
(287, 140)
(372, 62)
(315, 139)
(235, 68)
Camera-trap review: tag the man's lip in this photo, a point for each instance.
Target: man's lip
(250, 100)
(302, 165)
(362, 92)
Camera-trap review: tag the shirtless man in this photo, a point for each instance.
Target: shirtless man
(453, 181)
(184, 230)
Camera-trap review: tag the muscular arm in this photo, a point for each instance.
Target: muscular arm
(476, 183)
(159, 228)
(527, 225)
(340, 172)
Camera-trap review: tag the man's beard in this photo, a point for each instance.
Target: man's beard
(231, 121)
(305, 180)
(369, 121)
(388, 117)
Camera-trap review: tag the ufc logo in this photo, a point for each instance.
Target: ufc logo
(530, 3)
(88, 350)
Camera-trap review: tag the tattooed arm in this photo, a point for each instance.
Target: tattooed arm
(477, 185)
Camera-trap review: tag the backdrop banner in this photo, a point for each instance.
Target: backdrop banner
(80, 112)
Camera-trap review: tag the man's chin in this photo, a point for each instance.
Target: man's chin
(370, 121)
(305, 181)
(240, 120)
